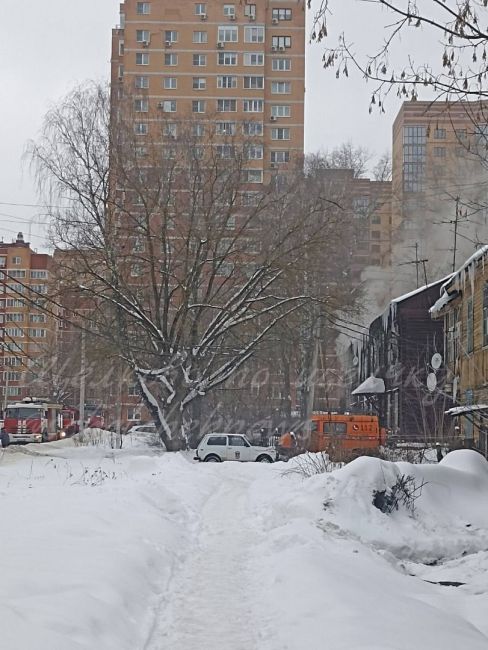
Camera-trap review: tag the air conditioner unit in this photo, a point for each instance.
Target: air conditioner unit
(232, 17)
(252, 18)
(145, 43)
(275, 21)
(274, 48)
(160, 104)
(273, 165)
(273, 118)
(203, 16)
(281, 48)
(121, 77)
(220, 45)
(167, 43)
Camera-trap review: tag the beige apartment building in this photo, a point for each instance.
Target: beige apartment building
(27, 332)
(239, 67)
(439, 174)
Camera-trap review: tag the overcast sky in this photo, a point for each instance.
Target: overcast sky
(48, 47)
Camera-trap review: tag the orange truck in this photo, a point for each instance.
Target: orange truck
(345, 431)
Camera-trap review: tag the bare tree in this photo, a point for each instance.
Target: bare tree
(455, 30)
(180, 254)
(345, 156)
(383, 168)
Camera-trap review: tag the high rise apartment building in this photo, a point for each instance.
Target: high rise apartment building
(26, 330)
(438, 152)
(239, 67)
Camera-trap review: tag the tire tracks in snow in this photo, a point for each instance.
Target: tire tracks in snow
(210, 600)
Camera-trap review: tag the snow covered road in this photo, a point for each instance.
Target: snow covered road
(134, 550)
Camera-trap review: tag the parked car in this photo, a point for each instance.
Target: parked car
(217, 447)
(149, 427)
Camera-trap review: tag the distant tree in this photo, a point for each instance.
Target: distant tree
(345, 156)
(382, 170)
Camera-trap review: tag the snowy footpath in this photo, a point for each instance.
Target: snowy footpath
(140, 550)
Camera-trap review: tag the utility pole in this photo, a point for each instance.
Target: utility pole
(417, 263)
(82, 380)
(456, 220)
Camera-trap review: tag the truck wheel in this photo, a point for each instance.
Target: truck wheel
(5, 439)
(264, 458)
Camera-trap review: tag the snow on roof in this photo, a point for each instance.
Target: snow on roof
(457, 280)
(467, 408)
(371, 386)
(420, 289)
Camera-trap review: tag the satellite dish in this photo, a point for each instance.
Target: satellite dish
(355, 361)
(436, 361)
(431, 381)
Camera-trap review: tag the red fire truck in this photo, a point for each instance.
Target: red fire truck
(33, 420)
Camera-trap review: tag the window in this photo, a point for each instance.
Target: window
(16, 273)
(133, 390)
(198, 106)
(143, 35)
(121, 48)
(227, 34)
(16, 288)
(281, 87)
(168, 106)
(170, 130)
(200, 37)
(14, 332)
(226, 105)
(14, 302)
(461, 134)
(3, 261)
(38, 288)
(281, 14)
(37, 318)
(39, 275)
(201, 9)
(143, 8)
(141, 82)
(237, 441)
(250, 199)
(225, 128)
(14, 318)
(220, 441)
(280, 157)
(229, 10)
(440, 152)
(254, 58)
(281, 42)
(440, 134)
(198, 130)
(37, 333)
(253, 105)
(252, 128)
(199, 83)
(142, 58)
(200, 59)
(170, 83)
(254, 83)
(16, 260)
(141, 105)
(170, 59)
(469, 326)
(253, 176)
(281, 65)
(280, 134)
(255, 152)
(254, 34)
(226, 81)
(280, 111)
(225, 151)
(133, 413)
(13, 391)
(170, 36)
(227, 58)
(250, 10)
(414, 153)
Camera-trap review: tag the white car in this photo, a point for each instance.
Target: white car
(149, 427)
(216, 447)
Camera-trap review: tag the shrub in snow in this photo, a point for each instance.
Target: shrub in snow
(404, 492)
(309, 464)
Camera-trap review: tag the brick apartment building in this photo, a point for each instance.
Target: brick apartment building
(27, 332)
